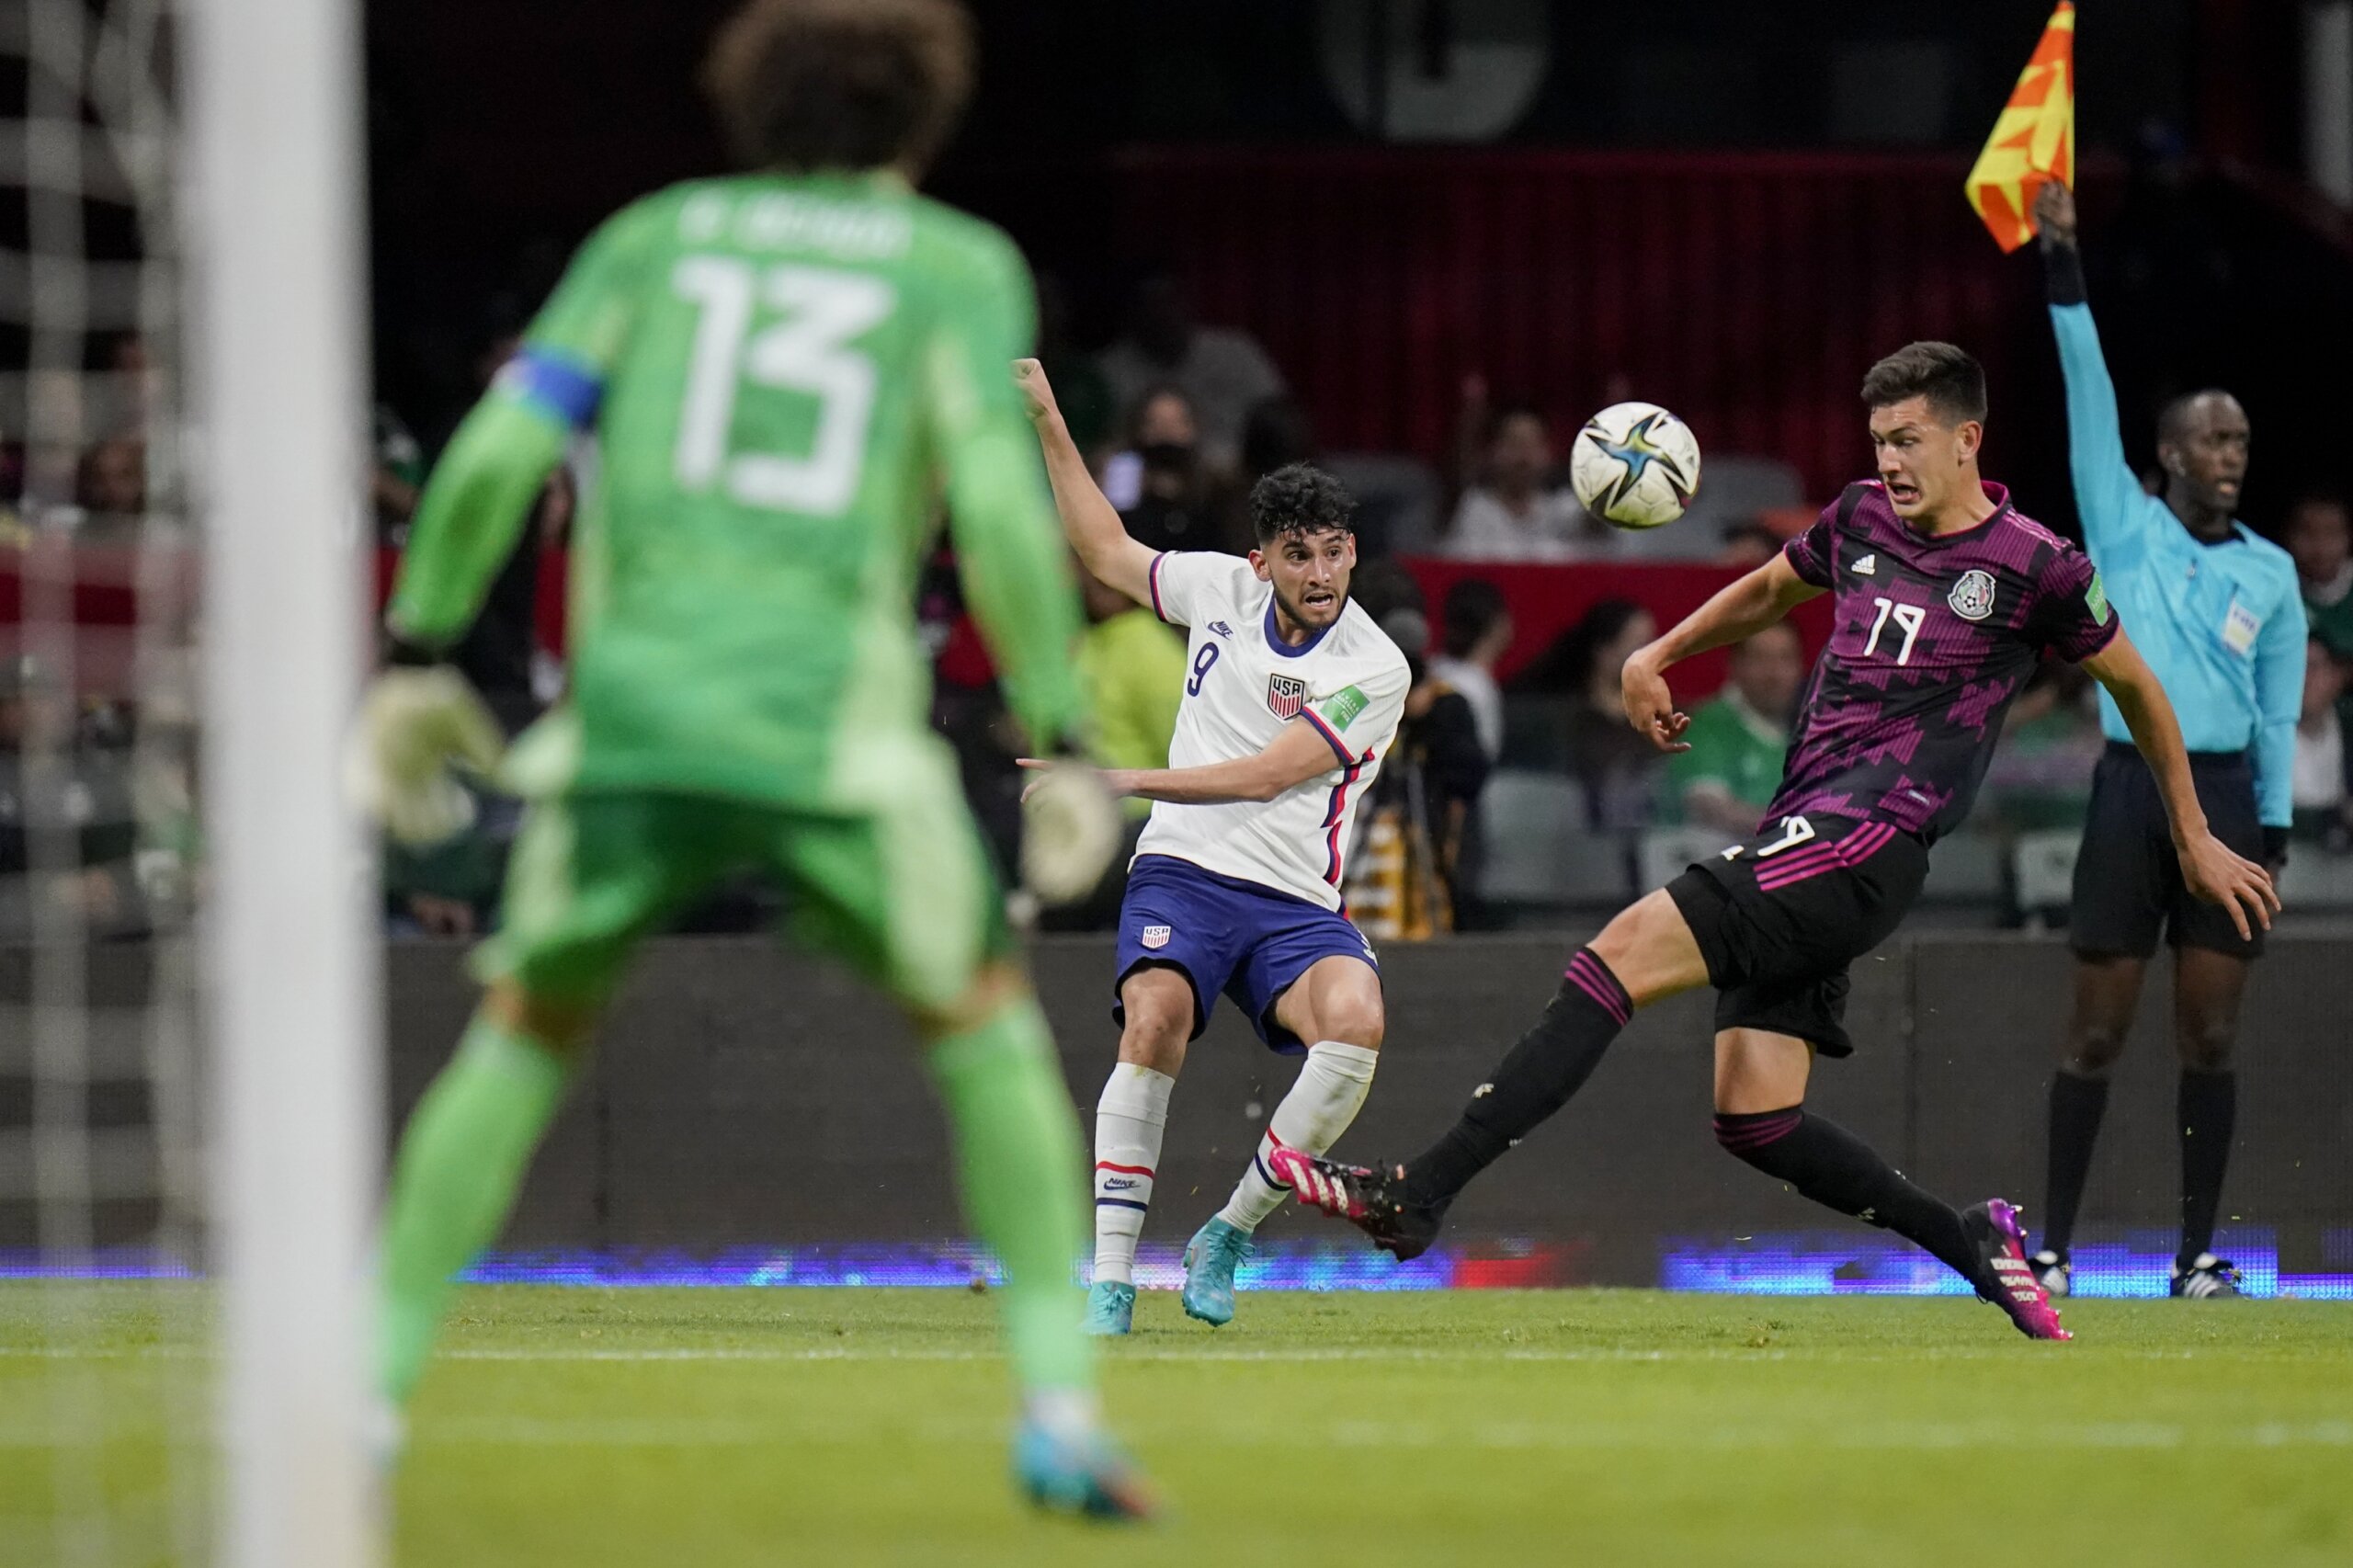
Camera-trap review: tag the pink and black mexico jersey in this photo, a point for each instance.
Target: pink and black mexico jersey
(1933, 637)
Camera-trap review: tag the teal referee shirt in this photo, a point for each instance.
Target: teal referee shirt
(2223, 625)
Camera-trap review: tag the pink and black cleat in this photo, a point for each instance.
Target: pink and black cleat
(1372, 1199)
(2008, 1280)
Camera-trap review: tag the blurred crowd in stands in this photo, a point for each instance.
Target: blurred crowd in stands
(1516, 791)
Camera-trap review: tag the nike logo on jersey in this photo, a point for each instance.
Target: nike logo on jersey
(1868, 566)
(1221, 628)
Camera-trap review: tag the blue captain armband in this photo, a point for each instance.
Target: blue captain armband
(562, 389)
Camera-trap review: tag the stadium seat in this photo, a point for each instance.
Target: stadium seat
(1731, 488)
(1397, 499)
(1540, 853)
(1664, 852)
(2315, 881)
(2042, 873)
(1966, 868)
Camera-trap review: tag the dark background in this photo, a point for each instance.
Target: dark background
(500, 135)
(747, 1098)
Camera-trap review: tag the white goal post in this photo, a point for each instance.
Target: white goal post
(274, 206)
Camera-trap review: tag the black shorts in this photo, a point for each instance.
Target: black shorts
(1779, 917)
(2128, 879)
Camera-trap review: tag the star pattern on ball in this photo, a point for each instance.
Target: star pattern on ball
(1637, 453)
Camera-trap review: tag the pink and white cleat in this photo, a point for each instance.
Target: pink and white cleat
(1375, 1200)
(2008, 1280)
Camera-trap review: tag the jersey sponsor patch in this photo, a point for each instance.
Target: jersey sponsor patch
(2240, 628)
(1286, 695)
(1343, 706)
(2096, 599)
(1973, 597)
(1155, 937)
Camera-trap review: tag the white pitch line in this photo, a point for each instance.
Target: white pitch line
(1932, 1436)
(1304, 1354)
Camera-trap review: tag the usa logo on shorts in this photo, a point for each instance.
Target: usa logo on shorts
(1286, 695)
(1973, 597)
(1155, 936)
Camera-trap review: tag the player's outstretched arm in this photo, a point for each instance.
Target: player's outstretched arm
(2207, 866)
(1742, 609)
(473, 512)
(419, 715)
(1299, 754)
(1089, 520)
(2106, 487)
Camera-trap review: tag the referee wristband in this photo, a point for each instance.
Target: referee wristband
(2062, 268)
(2275, 845)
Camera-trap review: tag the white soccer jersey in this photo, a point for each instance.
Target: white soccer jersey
(1242, 686)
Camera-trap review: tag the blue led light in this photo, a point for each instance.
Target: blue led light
(2122, 1264)
(2134, 1263)
(104, 1263)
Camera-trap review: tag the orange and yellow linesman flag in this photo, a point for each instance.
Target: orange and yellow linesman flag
(2034, 141)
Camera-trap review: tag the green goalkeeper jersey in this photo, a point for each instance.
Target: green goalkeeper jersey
(786, 377)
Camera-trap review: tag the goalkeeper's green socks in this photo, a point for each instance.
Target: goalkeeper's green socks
(1018, 1165)
(460, 1164)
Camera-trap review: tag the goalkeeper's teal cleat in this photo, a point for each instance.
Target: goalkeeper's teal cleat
(1111, 1307)
(1216, 1250)
(1085, 1477)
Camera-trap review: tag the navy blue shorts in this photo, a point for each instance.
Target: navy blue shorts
(1223, 934)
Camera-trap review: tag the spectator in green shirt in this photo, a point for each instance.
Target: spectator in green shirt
(2318, 535)
(1739, 738)
(1135, 670)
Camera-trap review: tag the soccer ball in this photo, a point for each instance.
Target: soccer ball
(1636, 465)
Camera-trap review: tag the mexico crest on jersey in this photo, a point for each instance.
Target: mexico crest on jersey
(1286, 695)
(1973, 597)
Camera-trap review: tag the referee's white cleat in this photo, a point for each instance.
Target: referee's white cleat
(2205, 1278)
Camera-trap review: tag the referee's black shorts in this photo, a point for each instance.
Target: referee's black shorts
(1779, 917)
(2129, 890)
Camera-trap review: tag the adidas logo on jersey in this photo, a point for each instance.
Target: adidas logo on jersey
(1868, 566)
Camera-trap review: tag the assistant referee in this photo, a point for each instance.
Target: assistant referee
(2216, 611)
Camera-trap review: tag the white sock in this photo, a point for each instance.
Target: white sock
(1129, 1120)
(1071, 1414)
(1330, 1090)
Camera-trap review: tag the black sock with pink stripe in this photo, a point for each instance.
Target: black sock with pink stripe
(1551, 1062)
(1831, 1165)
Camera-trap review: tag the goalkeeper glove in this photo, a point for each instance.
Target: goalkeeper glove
(1071, 830)
(413, 723)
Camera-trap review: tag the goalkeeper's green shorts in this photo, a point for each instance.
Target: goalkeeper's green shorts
(907, 897)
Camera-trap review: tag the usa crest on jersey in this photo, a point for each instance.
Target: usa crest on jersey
(1286, 695)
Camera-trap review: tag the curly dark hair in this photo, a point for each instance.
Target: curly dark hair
(807, 85)
(1300, 498)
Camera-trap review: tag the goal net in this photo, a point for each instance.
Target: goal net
(164, 1212)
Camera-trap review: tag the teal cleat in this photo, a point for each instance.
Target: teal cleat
(1110, 1308)
(1216, 1250)
(1084, 1478)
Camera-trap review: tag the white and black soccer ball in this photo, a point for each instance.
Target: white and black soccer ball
(1635, 465)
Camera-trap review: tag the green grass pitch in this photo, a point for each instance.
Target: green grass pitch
(580, 1429)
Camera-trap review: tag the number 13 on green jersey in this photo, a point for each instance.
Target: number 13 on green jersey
(783, 375)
